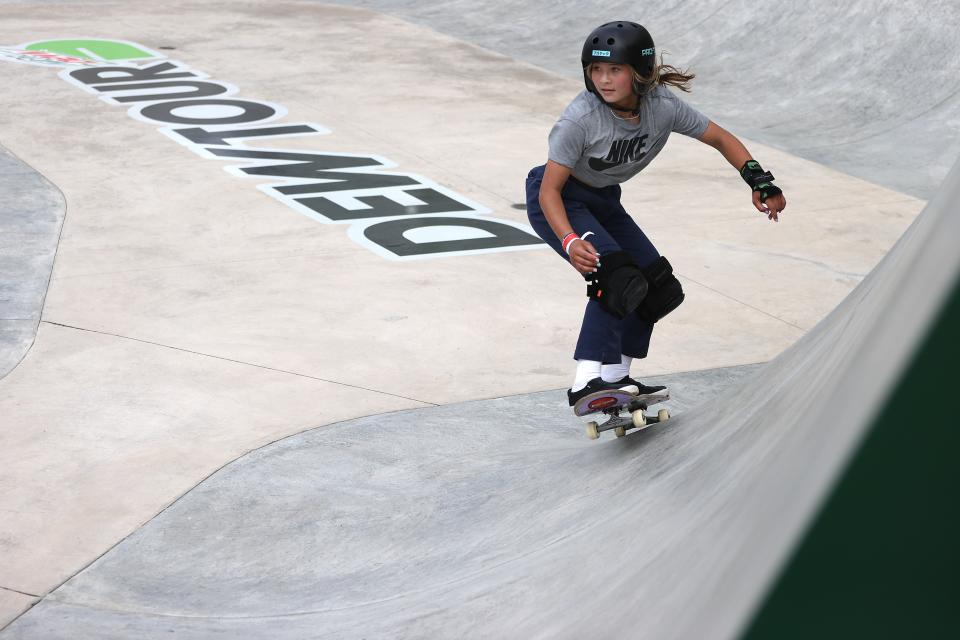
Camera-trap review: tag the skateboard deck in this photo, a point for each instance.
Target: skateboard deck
(617, 403)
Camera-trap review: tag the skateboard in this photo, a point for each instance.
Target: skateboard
(614, 404)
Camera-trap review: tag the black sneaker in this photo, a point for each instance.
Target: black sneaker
(644, 390)
(599, 384)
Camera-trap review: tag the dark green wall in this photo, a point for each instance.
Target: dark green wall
(881, 559)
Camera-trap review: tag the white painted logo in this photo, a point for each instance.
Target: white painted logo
(399, 216)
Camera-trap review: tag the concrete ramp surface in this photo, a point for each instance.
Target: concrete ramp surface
(242, 416)
(867, 87)
(491, 519)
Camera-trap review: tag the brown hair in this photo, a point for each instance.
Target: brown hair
(671, 75)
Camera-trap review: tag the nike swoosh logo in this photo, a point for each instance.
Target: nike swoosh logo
(598, 164)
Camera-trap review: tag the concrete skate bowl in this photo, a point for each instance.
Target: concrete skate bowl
(498, 518)
(490, 519)
(868, 88)
(31, 217)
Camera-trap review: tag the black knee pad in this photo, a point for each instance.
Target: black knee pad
(619, 284)
(665, 293)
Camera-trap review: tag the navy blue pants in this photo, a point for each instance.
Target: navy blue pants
(603, 336)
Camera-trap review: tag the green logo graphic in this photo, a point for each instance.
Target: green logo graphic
(106, 50)
(78, 52)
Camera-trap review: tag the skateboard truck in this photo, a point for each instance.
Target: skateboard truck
(636, 418)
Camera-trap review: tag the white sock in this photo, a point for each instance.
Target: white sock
(615, 372)
(587, 370)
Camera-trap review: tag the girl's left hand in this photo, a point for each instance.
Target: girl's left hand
(772, 207)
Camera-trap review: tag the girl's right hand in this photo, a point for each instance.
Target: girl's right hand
(584, 257)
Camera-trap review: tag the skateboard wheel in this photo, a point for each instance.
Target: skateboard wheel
(592, 432)
(639, 418)
(663, 415)
(620, 431)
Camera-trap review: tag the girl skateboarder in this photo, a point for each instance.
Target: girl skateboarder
(605, 136)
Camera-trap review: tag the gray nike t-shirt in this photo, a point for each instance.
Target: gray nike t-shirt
(602, 150)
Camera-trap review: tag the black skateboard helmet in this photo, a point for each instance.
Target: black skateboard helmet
(623, 42)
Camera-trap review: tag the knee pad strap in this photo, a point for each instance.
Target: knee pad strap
(619, 284)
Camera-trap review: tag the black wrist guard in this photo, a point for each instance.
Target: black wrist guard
(759, 180)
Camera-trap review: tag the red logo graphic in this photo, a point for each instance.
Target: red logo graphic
(43, 57)
(602, 403)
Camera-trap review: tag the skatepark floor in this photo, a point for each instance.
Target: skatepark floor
(221, 417)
